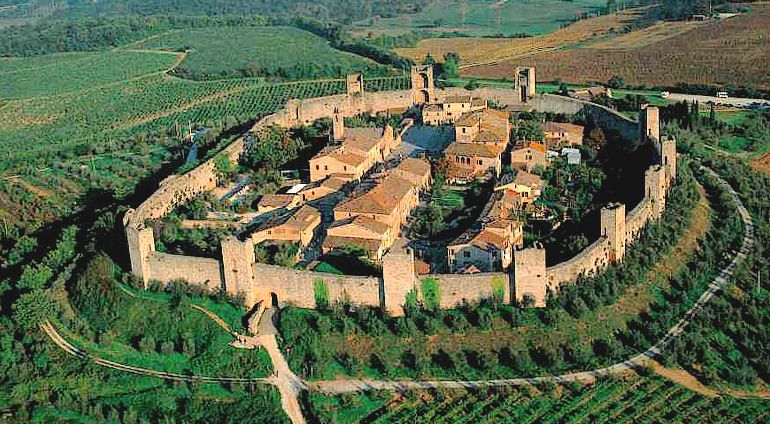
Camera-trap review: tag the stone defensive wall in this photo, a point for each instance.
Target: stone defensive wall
(238, 273)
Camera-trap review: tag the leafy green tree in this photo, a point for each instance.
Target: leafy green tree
(32, 308)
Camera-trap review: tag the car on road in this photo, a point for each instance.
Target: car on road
(722, 94)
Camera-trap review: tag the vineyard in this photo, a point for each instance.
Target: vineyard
(64, 134)
(732, 51)
(239, 51)
(630, 400)
(483, 17)
(25, 78)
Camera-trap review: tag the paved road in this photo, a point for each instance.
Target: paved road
(731, 101)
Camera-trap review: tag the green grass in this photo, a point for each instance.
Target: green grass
(24, 78)
(481, 18)
(218, 52)
(451, 199)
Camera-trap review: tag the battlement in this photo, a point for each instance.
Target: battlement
(238, 273)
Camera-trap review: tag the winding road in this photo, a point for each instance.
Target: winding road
(290, 385)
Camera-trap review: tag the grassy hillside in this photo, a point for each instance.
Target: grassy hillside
(258, 51)
(25, 78)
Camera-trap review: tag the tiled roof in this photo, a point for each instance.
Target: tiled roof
(473, 149)
(382, 199)
(563, 127)
(362, 221)
(537, 147)
(528, 179)
(414, 166)
(275, 200)
(337, 242)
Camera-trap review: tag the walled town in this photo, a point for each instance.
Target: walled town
(365, 184)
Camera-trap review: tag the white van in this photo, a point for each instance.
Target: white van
(722, 94)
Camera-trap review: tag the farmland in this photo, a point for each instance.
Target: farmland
(732, 51)
(475, 51)
(483, 17)
(106, 120)
(628, 400)
(257, 51)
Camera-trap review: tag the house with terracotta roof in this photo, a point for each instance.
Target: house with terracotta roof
(359, 231)
(489, 244)
(526, 185)
(296, 226)
(559, 134)
(414, 170)
(388, 205)
(271, 202)
(353, 151)
(450, 109)
(470, 160)
(486, 126)
(389, 202)
(527, 156)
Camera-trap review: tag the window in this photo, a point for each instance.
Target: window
(480, 162)
(317, 167)
(345, 168)
(463, 130)
(326, 168)
(467, 254)
(494, 254)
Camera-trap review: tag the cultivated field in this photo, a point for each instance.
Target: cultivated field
(483, 17)
(731, 51)
(106, 120)
(217, 52)
(631, 400)
(478, 51)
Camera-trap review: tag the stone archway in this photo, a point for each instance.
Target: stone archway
(424, 80)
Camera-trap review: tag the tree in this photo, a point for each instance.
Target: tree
(449, 69)
(223, 168)
(32, 308)
(596, 139)
(616, 82)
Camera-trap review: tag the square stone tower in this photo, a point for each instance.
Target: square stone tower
(524, 83)
(398, 279)
(355, 84)
(668, 157)
(141, 242)
(338, 125)
(529, 275)
(613, 227)
(655, 185)
(423, 88)
(649, 124)
(238, 271)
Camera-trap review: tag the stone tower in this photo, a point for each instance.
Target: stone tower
(355, 84)
(613, 227)
(141, 242)
(524, 83)
(423, 89)
(655, 185)
(398, 279)
(529, 276)
(668, 157)
(338, 125)
(649, 124)
(238, 270)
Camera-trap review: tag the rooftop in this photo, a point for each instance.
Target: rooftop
(473, 149)
(382, 199)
